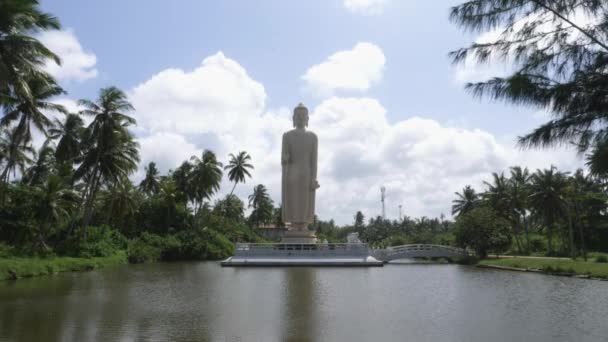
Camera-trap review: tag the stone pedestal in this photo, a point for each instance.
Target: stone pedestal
(296, 236)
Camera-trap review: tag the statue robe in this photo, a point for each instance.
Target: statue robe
(299, 164)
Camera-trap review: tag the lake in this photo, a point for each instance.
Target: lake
(201, 301)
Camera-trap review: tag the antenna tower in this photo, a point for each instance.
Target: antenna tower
(382, 196)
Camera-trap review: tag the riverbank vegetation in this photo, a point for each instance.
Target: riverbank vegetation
(557, 55)
(70, 203)
(593, 267)
(16, 268)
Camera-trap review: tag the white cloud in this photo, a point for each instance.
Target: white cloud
(421, 162)
(77, 64)
(366, 7)
(357, 70)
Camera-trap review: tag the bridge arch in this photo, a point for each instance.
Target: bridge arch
(418, 251)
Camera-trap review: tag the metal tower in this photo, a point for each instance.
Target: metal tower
(382, 196)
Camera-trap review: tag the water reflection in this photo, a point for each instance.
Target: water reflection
(204, 302)
(299, 311)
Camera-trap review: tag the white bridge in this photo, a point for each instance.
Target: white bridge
(418, 251)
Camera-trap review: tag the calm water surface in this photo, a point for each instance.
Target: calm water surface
(204, 302)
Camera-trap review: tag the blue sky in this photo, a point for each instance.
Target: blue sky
(406, 122)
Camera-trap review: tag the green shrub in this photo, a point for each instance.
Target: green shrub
(537, 245)
(601, 259)
(101, 242)
(139, 251)
(398, 241)
(467, 260)
(6, 251)
(483, 230)
(219, 247)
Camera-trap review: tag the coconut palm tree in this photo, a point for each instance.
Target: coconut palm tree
(182, 179)
(121, 203)
(70, 133)
(110, 152)
(55, 202)
(206, 177)
(519, 192)
(261, 204)
(30, 111)
(497, 195)
(22, 56)
(15, 154)
(547, 199)
(238, 168)
(466, 201)
(43, 166)
(151, 183)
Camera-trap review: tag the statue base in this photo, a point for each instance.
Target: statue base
(299, 237)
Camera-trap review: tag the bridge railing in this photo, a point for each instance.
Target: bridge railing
(418, 250)
(424, 247)
(273, 250)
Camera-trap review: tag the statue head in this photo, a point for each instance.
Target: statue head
(300, 116)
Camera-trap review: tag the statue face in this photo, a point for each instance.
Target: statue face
(300, 119)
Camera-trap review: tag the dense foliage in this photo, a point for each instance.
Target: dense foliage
(482, 230)
(571, 209)
(74, 196)
(558, 50)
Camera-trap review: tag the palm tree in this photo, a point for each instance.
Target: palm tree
(110, 151)
(466, 201)
(150, 184)
(29, 111)
(22, 56)
(121, 203)
(497, 194)
(55, 203)
(261, 204)
(70, 134)
(547, 199)
(182, 178)
(43, 167)
(237, 167)
(519, 192)
(14, 153)
(205, 178)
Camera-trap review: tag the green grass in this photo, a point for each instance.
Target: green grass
(15, 268)
(578, 266)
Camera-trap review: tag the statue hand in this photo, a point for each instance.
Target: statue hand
(315, 185)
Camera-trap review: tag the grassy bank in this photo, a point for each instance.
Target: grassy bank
(15, 268)
(553, 266)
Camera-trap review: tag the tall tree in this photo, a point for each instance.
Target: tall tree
(70, 133)
(238, 168)
(110, 153)
(151, 183)
(519, 192)
(547, 199)
(15, 154)
(261, 204)
(182, 179)
(22, 56)
(206, 177)
(43, 166)
(30, 111)
(121, 204)
(560, 63)
(466, 201)
(56, 201)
